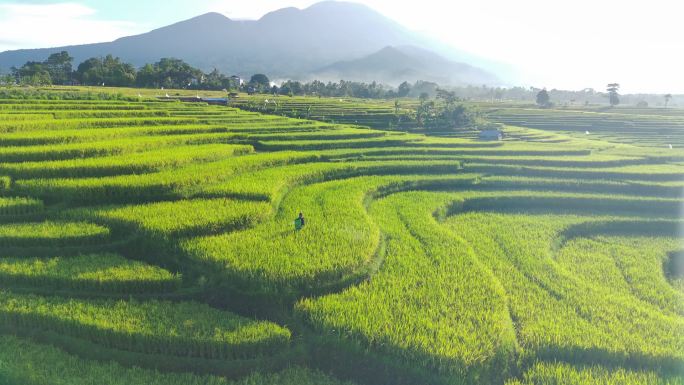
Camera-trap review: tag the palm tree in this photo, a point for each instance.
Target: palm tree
(613, 95)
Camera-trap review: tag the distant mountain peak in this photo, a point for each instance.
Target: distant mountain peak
(209, 17)
(288, 11)
(340, 9)
(390, 50)
(336, 4)
(395, 64)
(212, 15)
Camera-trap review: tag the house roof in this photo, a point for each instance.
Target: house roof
(491, 132)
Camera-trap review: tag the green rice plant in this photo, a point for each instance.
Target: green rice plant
(620, 126)
(31, 363)
(561, 315)
(153, 327)
(340, 244)
(28, 125)
(137, 163)
(273, 183)
(634, 266)
(171, 220)
(373, 113)
(543, 373)
(109, 273)
(91, 114)
(52, 234)
(24, 116)
(555, 314)
(123, 146)
(434, 305)
(272, 258)
(643, 189)
(83, 136)
(549, 161)
(20, 206)
(650, 173)
(385, 141)
(176, 183)
(5, 182)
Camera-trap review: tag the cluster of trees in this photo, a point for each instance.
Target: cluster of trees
(448, 115)
(544, 99)
(335, 89)
(56, 69)
(353, 89)
(112, 71)
(547, 99)
(105, 71)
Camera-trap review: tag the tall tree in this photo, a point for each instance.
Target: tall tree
(59, 66)
(260, 82)
(90, 72)
(543, 98)
(613, 95)
(403, 90)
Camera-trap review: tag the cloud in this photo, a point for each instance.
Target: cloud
(58, 24)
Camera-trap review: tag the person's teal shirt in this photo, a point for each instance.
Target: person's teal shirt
(298, 224)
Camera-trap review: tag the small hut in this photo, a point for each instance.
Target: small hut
(491, 135)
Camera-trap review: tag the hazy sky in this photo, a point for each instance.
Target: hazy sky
(569, 44)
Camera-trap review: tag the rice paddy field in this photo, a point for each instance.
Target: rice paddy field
(145, 241)
(374, 113)
(657, 127)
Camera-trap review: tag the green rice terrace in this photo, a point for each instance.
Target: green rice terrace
(152, 242)
(373, 113)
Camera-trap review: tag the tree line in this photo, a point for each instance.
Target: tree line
(172, 73)
(58, 69)
(612, 93)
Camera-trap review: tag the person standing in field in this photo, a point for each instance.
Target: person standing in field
(299, 222)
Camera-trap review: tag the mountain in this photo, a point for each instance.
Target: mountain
(393, 65)
(287, 43)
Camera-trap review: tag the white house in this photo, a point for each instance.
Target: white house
(237, 80)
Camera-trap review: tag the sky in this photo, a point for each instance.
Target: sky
(554, 44)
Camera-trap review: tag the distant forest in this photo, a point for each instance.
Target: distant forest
(172, 73)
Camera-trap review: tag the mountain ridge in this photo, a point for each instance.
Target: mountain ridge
(288, 43)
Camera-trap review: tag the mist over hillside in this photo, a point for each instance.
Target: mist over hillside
(393, 65)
